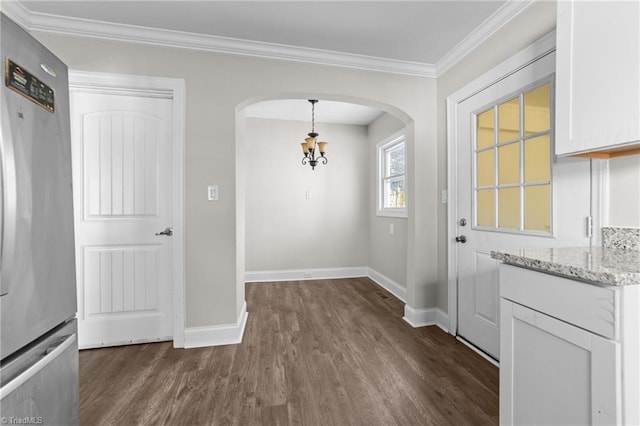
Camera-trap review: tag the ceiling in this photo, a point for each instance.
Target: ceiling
(416, 31)
(412, 37)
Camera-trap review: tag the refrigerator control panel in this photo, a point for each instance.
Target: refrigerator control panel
(23, 82)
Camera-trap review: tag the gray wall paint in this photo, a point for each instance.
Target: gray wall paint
(338, 225)
(387, 253)
(284, 229)
(218, 87)
(215, 145)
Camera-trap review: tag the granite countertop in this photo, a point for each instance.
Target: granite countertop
(604, 265)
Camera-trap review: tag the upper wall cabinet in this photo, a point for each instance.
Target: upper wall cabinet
(598, 78)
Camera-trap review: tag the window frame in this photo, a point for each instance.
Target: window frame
(520, 141)
(382, 148)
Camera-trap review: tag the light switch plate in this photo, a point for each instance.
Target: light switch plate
(212, 193)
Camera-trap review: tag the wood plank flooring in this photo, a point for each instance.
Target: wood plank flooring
(325, 352)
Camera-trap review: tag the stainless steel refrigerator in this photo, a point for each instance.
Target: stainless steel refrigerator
(38, 344)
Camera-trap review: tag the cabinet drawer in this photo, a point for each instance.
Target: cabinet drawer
(589, 306)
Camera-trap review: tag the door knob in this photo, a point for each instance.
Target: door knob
(461, 239)
(167, 231)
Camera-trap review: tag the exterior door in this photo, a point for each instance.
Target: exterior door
(122, 166)
(512, 192)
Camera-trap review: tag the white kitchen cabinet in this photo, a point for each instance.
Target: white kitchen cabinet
(558, 373)
(597, 84)
(569, 350)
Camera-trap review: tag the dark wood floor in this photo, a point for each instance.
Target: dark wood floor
(326, 352)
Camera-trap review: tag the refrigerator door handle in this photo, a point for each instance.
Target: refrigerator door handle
(8, 203)
(51, 354)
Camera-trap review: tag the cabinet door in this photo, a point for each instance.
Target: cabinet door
(552, 372)
(597, 85)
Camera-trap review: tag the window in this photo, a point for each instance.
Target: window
(392, 188)
(513, 164)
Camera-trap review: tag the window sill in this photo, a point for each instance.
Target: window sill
(401, 214)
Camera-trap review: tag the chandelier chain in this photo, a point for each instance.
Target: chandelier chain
(313, 116)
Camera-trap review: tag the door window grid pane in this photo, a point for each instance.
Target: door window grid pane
(509, 208)
(486, 174)
(486, 128)
(537, 164)
(537, 200)
(486, 208)
(536, 105)
(526, 203)
(509, 164)
(509, 120)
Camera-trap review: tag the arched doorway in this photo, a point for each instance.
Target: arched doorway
(299, 223)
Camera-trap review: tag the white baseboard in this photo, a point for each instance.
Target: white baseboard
(388, 284)
(415, 317)
(305, 274)
(426, 317)
(217, 335)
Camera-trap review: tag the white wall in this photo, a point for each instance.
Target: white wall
(285, 230)
(387, 253)
(624, 191)
(218, 87)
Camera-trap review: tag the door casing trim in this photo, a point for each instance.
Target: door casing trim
(175, 89)
(525, 57)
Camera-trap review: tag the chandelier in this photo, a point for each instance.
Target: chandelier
(310, 145)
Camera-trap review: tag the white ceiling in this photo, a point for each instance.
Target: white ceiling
(416, 31)
(398, 36)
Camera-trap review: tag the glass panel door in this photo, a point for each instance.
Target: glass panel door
(512, 160)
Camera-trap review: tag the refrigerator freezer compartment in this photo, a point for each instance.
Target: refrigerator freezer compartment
(40, 385)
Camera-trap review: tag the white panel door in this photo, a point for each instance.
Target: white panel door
(501, 209)
(123, 198)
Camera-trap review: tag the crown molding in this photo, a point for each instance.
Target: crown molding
(490, 26)
(63, 25)
(17, 12)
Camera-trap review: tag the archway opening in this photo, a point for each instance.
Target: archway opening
(296, 223)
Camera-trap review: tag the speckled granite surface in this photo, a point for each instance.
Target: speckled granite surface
(621, 238)
(596, 264)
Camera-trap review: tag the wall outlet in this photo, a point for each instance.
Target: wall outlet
(391, 228)
(308, 274)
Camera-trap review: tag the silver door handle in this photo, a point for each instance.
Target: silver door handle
(167, 231)
(50, 355)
